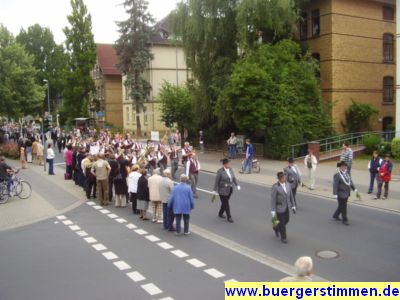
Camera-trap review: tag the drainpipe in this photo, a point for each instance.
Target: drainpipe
(397, 69)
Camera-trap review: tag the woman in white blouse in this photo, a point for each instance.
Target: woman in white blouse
(50, 158)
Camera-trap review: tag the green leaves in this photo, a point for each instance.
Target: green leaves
(19, 93)
(81, 59)
(273, 89)
(358, 117)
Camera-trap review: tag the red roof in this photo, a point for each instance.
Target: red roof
(107, 59)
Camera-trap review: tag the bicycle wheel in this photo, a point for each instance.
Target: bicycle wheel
(256, 168)
(3, 194)
(23, 190)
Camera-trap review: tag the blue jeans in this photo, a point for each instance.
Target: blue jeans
(371, 182)
(247, 165)
(51, 166)
(232, 151)
(186, 218)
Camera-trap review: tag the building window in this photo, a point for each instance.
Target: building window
(388, 13)
(388, 47)
(317, 57)
(128, 120)
(388, 89)
(303, 27)
(145, 115)
(315, 22)
(127, 96)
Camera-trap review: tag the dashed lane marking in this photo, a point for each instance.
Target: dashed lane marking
(74, 227)
(67, 222)
(135, 276)
(152, 289)
(90, 240)
(231, 280)
(141, 231)
(122, 265)
(90, 203)
(112, 216)
(82, 233)
(110, 255)
(105, 211)
(121, 220)
(131, 226)
(214, 273)
(61, 218)
(97, 207)
(152, 238)
(180, 253)
(99, 247)
(196, 263)
(165, 245)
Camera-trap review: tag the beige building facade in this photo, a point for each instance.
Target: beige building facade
(168, 65)
(354, 42)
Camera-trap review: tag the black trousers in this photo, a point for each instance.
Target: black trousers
(342, 209)
(283, 220)
(110, 188)
(90, 187)
(133, 199)
(225, 205)
(294, 192)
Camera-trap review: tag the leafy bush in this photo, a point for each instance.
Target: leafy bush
(385, 148)
(371, 143)
(396, 148)
(358, 117)
(9, 150)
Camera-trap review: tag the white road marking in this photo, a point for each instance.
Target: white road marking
(165, 245)
(214, 273)
(167, 298)
(231, 280)
(179, 253)
(112, 216)
(131, 226)
(121, 220)
(67, 222)
(110, 255)
(205, 191)
(61, 217)
(196, 263)
(90, 240)
(74, 227)
(152, 238)
(141, 231)
(152, 289)
(122, 265)
(81, 233)
(99, 247)
(105, 211)
(97, 207)
(91, 203)
(55, 222)
(135, 276)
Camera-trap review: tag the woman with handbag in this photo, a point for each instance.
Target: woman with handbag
(384, 177)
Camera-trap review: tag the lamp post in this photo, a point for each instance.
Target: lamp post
(48, 94)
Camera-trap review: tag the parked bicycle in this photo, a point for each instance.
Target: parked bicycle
(18, 187)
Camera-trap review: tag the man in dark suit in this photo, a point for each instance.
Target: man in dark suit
(281, 200)
(342, 186)
(223, 187)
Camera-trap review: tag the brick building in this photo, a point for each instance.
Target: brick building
(354, 40)
(108, 82)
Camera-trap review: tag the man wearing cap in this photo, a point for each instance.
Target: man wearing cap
(281, 200)
(342, 186)
(293, 177)
(223, 187)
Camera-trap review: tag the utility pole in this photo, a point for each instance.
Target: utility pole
(397, 68)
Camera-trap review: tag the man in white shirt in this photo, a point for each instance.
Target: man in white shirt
(132, 181)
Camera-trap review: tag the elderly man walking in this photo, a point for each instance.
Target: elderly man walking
(154, 183)
(192, 172)
(182, 203)
(101, 170)
(166, 187)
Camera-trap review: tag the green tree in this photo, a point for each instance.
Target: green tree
(358, 117)
(133, 49)
(207, 32)
(20, 95)
(49, 58)
(81, 51)
(273, 90)
(176, 105)
(261, 21)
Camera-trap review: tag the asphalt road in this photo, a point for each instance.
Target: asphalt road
(52, 259)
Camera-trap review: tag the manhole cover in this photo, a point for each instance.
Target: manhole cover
(327, 254)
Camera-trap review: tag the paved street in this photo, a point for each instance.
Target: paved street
(83, 251)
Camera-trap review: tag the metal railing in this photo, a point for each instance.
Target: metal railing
(334, 143)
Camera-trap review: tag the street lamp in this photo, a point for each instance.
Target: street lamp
(48, 94)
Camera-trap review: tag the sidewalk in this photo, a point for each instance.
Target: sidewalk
(20, 212)
(210, 162)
